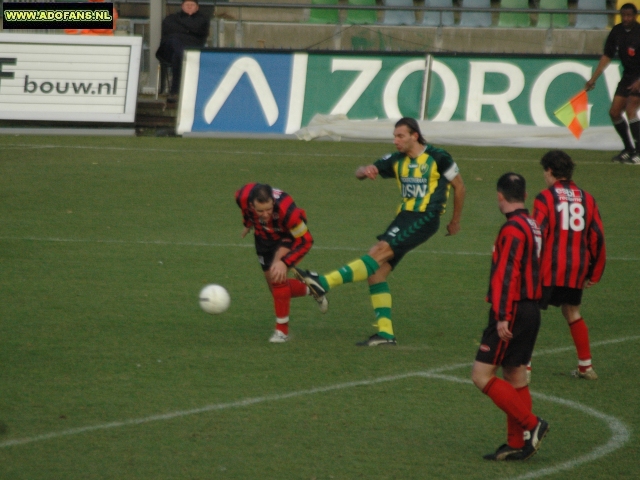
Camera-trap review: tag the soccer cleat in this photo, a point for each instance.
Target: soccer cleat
(634, 159)
(505, 452)
(311, 279)
(588, 374)
(375, 340)
(623, 157)
(279, 337)
(323, 304)
(533, 438)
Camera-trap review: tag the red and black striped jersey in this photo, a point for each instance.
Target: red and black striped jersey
(287, 222)
(515, 265)
(573, 248)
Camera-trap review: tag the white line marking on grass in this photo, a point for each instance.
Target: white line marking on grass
(620, 432)
(28, 146)
(248, 245)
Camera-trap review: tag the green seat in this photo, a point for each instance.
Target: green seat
(555, 20)
(324, 15)
(362, 16)
(514, 19)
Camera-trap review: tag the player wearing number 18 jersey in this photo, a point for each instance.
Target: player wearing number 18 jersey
(573, 252)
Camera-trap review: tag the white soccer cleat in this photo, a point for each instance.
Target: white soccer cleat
(323, 304)
(588, 374)
(279, 337)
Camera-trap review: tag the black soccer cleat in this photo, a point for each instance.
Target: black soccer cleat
(634, 159)
(312, 281)
(505, 453)
(375, 340)
(623, 157)
(533, 438)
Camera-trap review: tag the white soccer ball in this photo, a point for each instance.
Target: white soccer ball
(214, 299)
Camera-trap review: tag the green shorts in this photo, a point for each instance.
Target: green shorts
(407, 231)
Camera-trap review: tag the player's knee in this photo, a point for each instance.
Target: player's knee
(479, 378)
(381, 252)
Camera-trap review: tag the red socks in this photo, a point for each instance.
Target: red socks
(515, 433)
(516, 404)
(282, 294)
(580, 334)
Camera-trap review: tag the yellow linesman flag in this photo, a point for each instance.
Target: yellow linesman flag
(573, 114)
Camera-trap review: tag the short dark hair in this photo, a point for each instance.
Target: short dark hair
(412, 125)
(559, 163)
(629, 6)
(513, 186)
(261, 193)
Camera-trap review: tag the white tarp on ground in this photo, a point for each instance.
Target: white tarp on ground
(338, 127)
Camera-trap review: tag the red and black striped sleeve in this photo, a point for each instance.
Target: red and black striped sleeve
(597, 248)
(294, 220)
(515, 272)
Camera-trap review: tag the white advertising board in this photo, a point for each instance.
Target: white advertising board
(71, 78)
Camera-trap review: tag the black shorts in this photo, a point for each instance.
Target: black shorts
(267, 249)
(407, 231)
(558, 296)
(623, 86)
(519, 349)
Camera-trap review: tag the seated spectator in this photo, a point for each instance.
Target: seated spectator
(186, 28)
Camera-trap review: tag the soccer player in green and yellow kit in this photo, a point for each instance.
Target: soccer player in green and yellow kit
(424, 174)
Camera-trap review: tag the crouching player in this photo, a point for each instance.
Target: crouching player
(282, 239)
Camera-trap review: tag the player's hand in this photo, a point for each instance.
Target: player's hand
(453, 228)
(245, 230)
(278, 272)
(367, 171)
(590, 85)
(635, 86)
(503, 331)
(589, 284)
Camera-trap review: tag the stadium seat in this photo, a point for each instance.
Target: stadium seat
(399, 17)
(438, 18)
(586, 21)
(556, 20)
(324, 15)
(514, 19)
(362, 16)
(475, 19)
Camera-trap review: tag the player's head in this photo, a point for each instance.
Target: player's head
(557, 164)
(628, 13)
(407, 137)
(261, 200)
(413, 128)
(512, 189)
(190, 6)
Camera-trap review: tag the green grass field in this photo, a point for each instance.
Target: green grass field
(110, 370)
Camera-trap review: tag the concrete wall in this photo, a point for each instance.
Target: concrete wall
(249, 34)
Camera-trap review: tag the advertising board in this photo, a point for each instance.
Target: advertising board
(69, 78)
(280, 92)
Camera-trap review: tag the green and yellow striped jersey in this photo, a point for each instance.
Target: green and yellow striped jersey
(424, 181)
